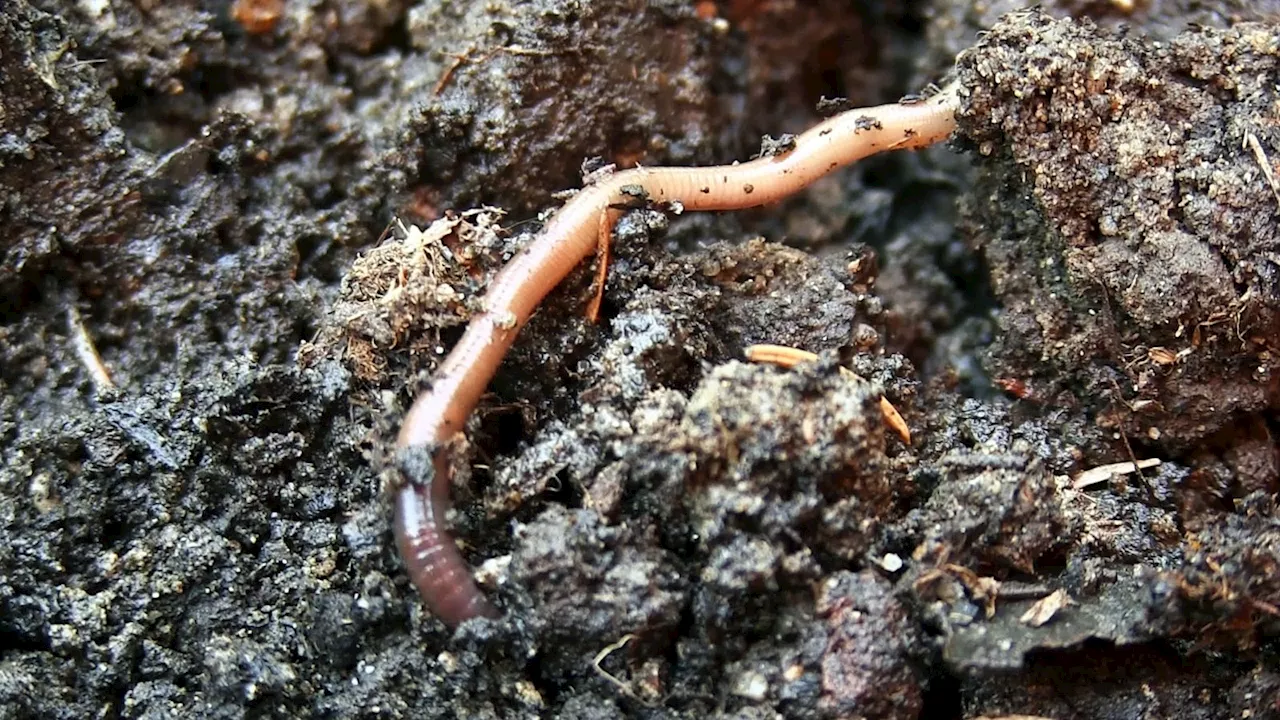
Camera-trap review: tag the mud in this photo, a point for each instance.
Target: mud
(195, 520)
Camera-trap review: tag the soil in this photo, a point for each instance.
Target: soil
(240, 235)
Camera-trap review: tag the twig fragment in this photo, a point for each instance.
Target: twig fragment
(1103, 473)
(1251, 143)
(86, 352)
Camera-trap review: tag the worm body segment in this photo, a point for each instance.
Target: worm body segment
(431, 558)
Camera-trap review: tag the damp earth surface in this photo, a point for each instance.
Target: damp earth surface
(240, 235)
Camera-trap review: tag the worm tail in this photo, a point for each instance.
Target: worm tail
(432, 560)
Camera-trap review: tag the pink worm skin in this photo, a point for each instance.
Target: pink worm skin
(431, 558)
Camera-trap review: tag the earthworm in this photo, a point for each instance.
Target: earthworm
(431, 558)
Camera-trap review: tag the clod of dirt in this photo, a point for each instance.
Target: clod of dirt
(1256, 694)
(589, 583)
(1129, 219)
(770, 281)
(759, 479)
(524, 91)
(1228, 588)
(55, 123)
(1004, 515)
(777, 454)
(866, 668)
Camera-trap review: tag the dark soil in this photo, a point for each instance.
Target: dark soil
(212, 322)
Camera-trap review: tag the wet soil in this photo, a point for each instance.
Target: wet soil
(240, 235)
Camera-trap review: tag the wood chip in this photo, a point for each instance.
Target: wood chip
(1251, 143)
(1104, 473)
(1045, 608)
(86, 352)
